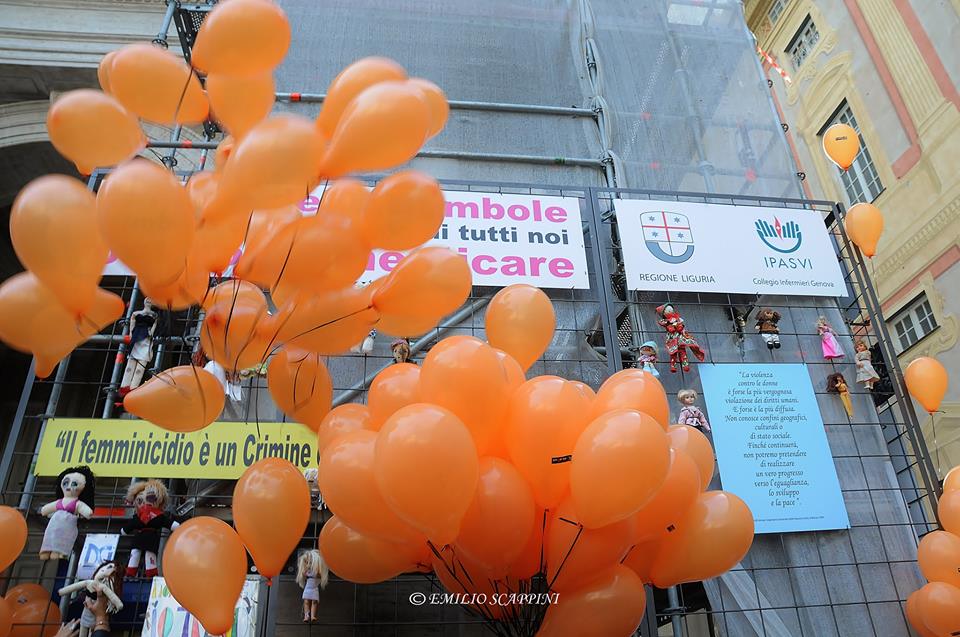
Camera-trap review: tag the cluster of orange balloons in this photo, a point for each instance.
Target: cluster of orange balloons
(927, 379)
(27, 611)
(464, 467)
(934, 610)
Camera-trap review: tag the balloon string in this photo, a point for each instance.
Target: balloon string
(183, 94)
(569, 551)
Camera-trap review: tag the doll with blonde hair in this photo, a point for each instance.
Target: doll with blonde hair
(312, 576)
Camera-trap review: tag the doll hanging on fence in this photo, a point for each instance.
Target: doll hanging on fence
(866, 374)
(828, 340)
(837, 384)
(678, 338)
(768, 325)
(312, 576)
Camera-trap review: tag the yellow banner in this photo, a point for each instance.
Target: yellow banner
(124, 448)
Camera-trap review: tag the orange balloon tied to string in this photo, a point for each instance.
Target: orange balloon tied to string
(235, 292)
(53, 227)
(347, 197)
(500, 519)
(419, 447)
(202, 190)
(352, 81)
(927, 380)
(240, 101)
(223, 152)
(584, 389)
(328, 323)
(864, 225)
(675, 496)
(242, 37)
(328, 252)
(346, 479)
(439, 106)
(271, 509)
(607, 483)
(520, 321)
(6, 617)
(341, 420)
(937, 604)
(237, 332)
(180, 399)
(939, 557)
(157, 85)
(103, 71)
(215, 243)
(267, 248)
(544, 419)
(39, 618)
(362, 559)
(301, 386)
(393, 388)
(640, 559)
(612, 603)
(633, 389)
(404, 211)
(153, 240)
(712, 538)
(187, 290)
(913, 616)
(512, 369)
(382, 127)
(13, 528)
(692, 442)
(841, 143)
(205, 567)
(23, 594)
(93, 130)
(531, 559)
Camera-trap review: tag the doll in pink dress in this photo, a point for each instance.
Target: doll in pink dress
(831, 348)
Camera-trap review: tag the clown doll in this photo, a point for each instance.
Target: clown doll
(678, 338)
(150, 517)
(837, 384)
(107, 580)
(75, 493)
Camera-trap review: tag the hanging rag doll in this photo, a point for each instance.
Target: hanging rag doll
(365, 346)
(401, 350)
(648, 358)
(143, 324)
(150, 517)
(107, 580)
(866, 374)
(312, 576)
(837, 384)
(311, 476)
(828, 339)
(690, 414)
(76, 487)
(678, 338)
(767, 321)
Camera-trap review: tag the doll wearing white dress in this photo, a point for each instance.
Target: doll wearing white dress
(107, 580)
(312, 576)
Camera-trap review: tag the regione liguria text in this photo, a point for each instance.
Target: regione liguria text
(699, 247)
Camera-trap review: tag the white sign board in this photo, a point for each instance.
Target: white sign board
(698, 247)
(97, 548)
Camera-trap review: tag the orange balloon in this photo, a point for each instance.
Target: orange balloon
(348, 197)
(939, 557)
(271, 509)
(640, 559)
(692, 442)
(157, 85)
(395, 387)
(153, 240)
(93, 130)
(327, 323)
(240, 101)
(633, 389)
(275, 162)
(6, 618)
(521, 322)
(948, 510)
(202, 190)
(341, 420)
(612, 603)
(419, 447)
(913, 616)
(242, 37)
(951, 481)
(205, 567)
(607, 483)
(223, 153)
(267, 248)
(346, 480)
(584, 389)
(404, 211)
(40, 618)
(187, 290)
(531, 559)
(676, 495)
(927, 381)
(301, 386)
(937, 605)
(238, 335)
(53, 227)
(382, 127)
(864, 225)
(437, 99)
(235, 292)
(841, 144)
(364, 560)
(181, 399)
(103, 71)
(575, 554)
(499, 522)
(23, 594)
(13, 528)
(352, 81)
(712, 538)
(463, 374)
(328, 252)
(426, 286)
(512, 369)
(544, 419)
(215, 243)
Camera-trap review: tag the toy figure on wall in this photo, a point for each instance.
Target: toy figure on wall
(648, 358)
(365, 346)
(107, 580)
(866, 374)
(76, 487)
(828, 339)
(143, 324)
(837, 384)
(150, 517)
(678, 338)
(767, 325)
(690, 414)
(401, 350)
(312, 576)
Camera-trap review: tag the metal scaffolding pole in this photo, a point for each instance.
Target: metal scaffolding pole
(26, 498)
(6, 461)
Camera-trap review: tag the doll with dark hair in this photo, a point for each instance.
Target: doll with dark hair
(837, 384)
(150, 517)
(679, 340)
(76, 487)
(767, 325)
(107, 580)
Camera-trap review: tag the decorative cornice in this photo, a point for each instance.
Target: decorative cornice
(950, 214)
